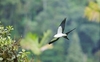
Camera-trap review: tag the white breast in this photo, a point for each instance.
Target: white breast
(59, 35)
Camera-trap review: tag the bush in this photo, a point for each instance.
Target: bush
(10, 50)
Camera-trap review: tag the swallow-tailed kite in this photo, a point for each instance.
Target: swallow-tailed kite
(60, 32)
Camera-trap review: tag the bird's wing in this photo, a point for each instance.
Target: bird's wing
(59, 30)
(62, 25)
(53, 40)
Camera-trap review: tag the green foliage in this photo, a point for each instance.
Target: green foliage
(15, 12)
(37, 16)
(32, 42)
(92, 11)
(74, 52)
(37, 44)
(91, 32)
(98, 2)
(57, 10)
(97, 56)
(9, 49)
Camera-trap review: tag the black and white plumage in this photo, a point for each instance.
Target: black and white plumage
(60, 32)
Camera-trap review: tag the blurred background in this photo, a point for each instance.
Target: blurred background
(36, 21)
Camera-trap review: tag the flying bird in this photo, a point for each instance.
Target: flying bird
(60, 32)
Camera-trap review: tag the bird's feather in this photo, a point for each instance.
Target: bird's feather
(63, 25)
(59, 30)
(70, 31)
(66, 37)
(53, 40)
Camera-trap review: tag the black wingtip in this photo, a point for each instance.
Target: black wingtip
(49, 43)
(64, 19)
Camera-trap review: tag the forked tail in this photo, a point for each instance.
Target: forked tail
(70, 31)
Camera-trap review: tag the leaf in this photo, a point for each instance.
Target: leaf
(32, 42)
(92, 12)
